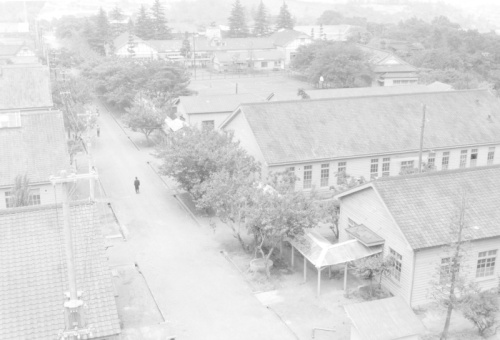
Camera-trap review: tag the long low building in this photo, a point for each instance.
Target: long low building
(370, 136)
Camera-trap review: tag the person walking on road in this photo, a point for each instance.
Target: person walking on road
(98, 129)
(137, 183)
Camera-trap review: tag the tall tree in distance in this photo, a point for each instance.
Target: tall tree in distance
(102, 31)
(160, 30)
(261, 27)
(131, 45)
(237, 23)
(186, 46)
(285, 19)
(116, 14)
(143, 25)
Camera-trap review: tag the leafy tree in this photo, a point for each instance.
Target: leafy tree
(186, 46)
(368, 268)
(237, 22)
(131, 45)
(194, 155)
(145, 115)
(144, 25)
(262, 25)
(481, 308)
(330, 17)
(160, 30)
(285, 19)
(20, 196)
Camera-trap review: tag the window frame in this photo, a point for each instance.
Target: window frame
(397, 269)
(386, 166)
(486, 263)
(473, 157)
(208, 125)
(464, 154)
(407, 165)
(491, 155)
(325, 175)
(374, 168)
(341, 168)
(445, 160)
(307, 182)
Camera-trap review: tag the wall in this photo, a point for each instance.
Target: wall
(292, 47)
(391, 81)
(46, 194)
(366, 208)
(427, 262)
(141, 51)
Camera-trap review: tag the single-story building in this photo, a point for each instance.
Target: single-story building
(369, 136)
(128, 45)
(329, 32)
(288, 42)
(228, 61)
(35, 275)
(19, 53)
(414, 214)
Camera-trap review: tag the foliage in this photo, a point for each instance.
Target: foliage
(262, 25)
(20, 196)
(237, 22)
(194, 155)
(145, 115)
(303, 94)
(330, 17)
(116, 13)
(481, 309)
(368, 268)
(144, 24)
(285, 19)
(74, 146)
(102, 31)
(119, 80)
(131, 45)
(160, 30)
(341, 65)
(186, 46)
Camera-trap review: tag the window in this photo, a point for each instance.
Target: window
(374, 168)
(341, 172)
(397, 264)
(208, 125)
(386, 167)
(473, 157)
(446, 269)
(486, 263)
(431, 160)
(325, 174)
(463, 158)
(34, 198)
(491, 155)
(307, 176)
(404, 82)
(446, 160)
(263, 64)
(290, 169)
(407, 165)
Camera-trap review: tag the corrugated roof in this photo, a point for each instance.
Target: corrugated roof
(34, 274)
(38, 148)
(386, 319)
(309, 130)
(24, 87)
(425, 205)
(222, 103)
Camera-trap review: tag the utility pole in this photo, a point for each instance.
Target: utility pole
(73, 306)
(422, 129)
(88, 142)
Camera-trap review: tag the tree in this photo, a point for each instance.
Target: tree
(453, 288)
(102, 30)
(143, 25)
(285, 19)
(20, 196)
(186, 46)
(116, 14)
(194, 155)
(145, 116)
(330, 18)
(368, 268)
(262, 25)
(481, 309)
(237, 22)
(131, 45)
(160, 30)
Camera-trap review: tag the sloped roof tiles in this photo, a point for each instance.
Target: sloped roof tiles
(34, 274)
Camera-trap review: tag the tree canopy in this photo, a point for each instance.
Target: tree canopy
(144, 25)
(160, 30)
(285, 19)
(237, 22)
(262, 24)
(146, 115)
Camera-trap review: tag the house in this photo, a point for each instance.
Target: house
(288, 42)
(414, 215)
(267, 60)
(31, 143)
(167, 49)
(123, 44)
(25, 87)
(328, 32)
(400, 47)
(19, 53)
(385, 319)
(389, 69)
(369, 136)
(35, 278)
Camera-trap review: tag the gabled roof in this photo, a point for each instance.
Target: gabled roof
(385, 319)
(404, 68)
(437, 85)
(122, 40)
(284, 36)
(165, 45)
(212, 104)
(312, 130)
(25, 87)
(227, 56)
(37, 148)
(34, 274)
(425, 205)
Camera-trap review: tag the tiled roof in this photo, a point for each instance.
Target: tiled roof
(221, 103)
(34, 275)
(38, 148)
(425, 205)
(310, 130)
(24, 87)
(122, 40)
(284, 36)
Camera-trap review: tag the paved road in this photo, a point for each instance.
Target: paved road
(200, 293)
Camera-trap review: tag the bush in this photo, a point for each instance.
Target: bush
(481, 309)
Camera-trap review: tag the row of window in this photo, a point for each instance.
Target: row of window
(324, 174)
(34, 198)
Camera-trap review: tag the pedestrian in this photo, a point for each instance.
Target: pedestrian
(137, 183)
(98, 131)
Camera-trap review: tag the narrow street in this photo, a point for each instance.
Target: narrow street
(201, 295)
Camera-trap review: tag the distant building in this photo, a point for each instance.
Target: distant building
(17, 54)
(35, 278)
(414, 215)
(268, 60)
(369, 136)
(130, 46)
(328, 32)
(289, 41)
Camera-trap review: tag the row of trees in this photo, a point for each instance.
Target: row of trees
(238, 27)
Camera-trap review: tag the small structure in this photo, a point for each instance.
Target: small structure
(289, 41)
(226, 61)
(322, 254)
(19, 53)
(127, 45)
(329, 32)
(386, 319)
